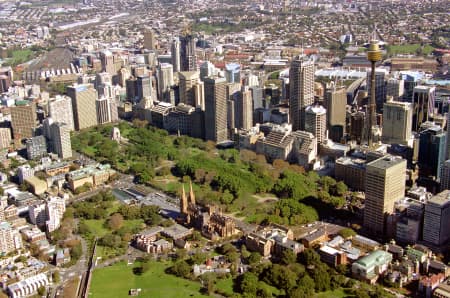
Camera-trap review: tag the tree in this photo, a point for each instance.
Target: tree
(310, 257)
(41, 291)
(115, 222)
(288, 257)
(341, 188)
(347, 233)
(56, 277)
(254, 258)
(248, 284)
(181, 269)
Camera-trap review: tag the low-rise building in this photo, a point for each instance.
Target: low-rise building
(370, 267)
(38, 186)
(28, 286)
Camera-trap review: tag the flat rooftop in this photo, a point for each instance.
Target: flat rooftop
(386, 162)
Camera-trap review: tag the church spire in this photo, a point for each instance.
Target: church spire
(183, 201)
(191, 193)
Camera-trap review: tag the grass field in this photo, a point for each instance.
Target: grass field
(338, 293)
(408, 49)
(117, 280)
(20, 56)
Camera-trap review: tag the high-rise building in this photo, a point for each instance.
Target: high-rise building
(432, 150)
(55, 208)
(10, 239)
(23, 119)
(301, 82)
(5, 137)
(397, 122)
(60, 109)
(36, 147)
(165, 81)
(244, 109)
(149, 39)
(215, 109)
(175, 53)
(104, 111)
(107, 60)
(380, 87)
(60, 137)
(37, 214)
(25, 171)
(423, 105)
(316, 122)
(187, 81)
(395, 88)
(124, 74)
(131, 89)
(436, 220)
(445, 175)
(83, 102)
(207, 69)
(199, 92)
(188, 55)
(385, 184)
(336, 103)
(233, 72)
(144, 88)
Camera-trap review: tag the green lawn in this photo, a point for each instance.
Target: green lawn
(225, 286)
(408, 49)
(96, 226)
(20, 56)
(117, 280)
(338, 293)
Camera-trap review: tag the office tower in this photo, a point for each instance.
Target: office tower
(432, 150)
(233, 72)
(165, 81)
(380, 87)
(144, 87)
(83, 102)
(423, 105)
(231, 117)
(188, 56)
(316, 122)
(251, 80)
(395, 88)
(397, 122)
(124, 74)
(60, 110)
(187, 81)
(23, 119)
(10, 239)
(106, 110)
(336, 103)
(131, 89)
(175, 53)
(5, 137)
(199, 92)
(107, 60)
(60, 136)
(103, 78)
(373, 55)
(207, 69)
(55, 208)
(258, 97)
(445, 175)
(37, 214)
(301, 84)
(36, 147)
(149, 39)
(215, 109)
(244, 109)
(385, 184)
(436, 220)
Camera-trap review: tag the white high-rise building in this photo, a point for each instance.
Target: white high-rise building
(175, 53)
(60, 109)
(395, 88)
(316, 122)
(165, 81)
(301, 82)
(55, 209)
(37, 214)
(60, 137)
(397, 122)
(10, 239)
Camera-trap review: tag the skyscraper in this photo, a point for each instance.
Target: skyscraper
(143, 87)
(60, 109)
(187, 81)
(436, 220)
(103, 106)
(423, 105)
(60, 136)
(83, 102)
(244, 109)
(432, 150)
(395, 88)
(335, 103)
(165, 81)
(23, 119)
(149, 39)
(233, 72)
(187, 53)
(397, 122)
(207, 69)
(380, 87)
(301, 81)
(107, 60)
(175, 53)
(385, 184)
(316, 122)
(215, 109)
